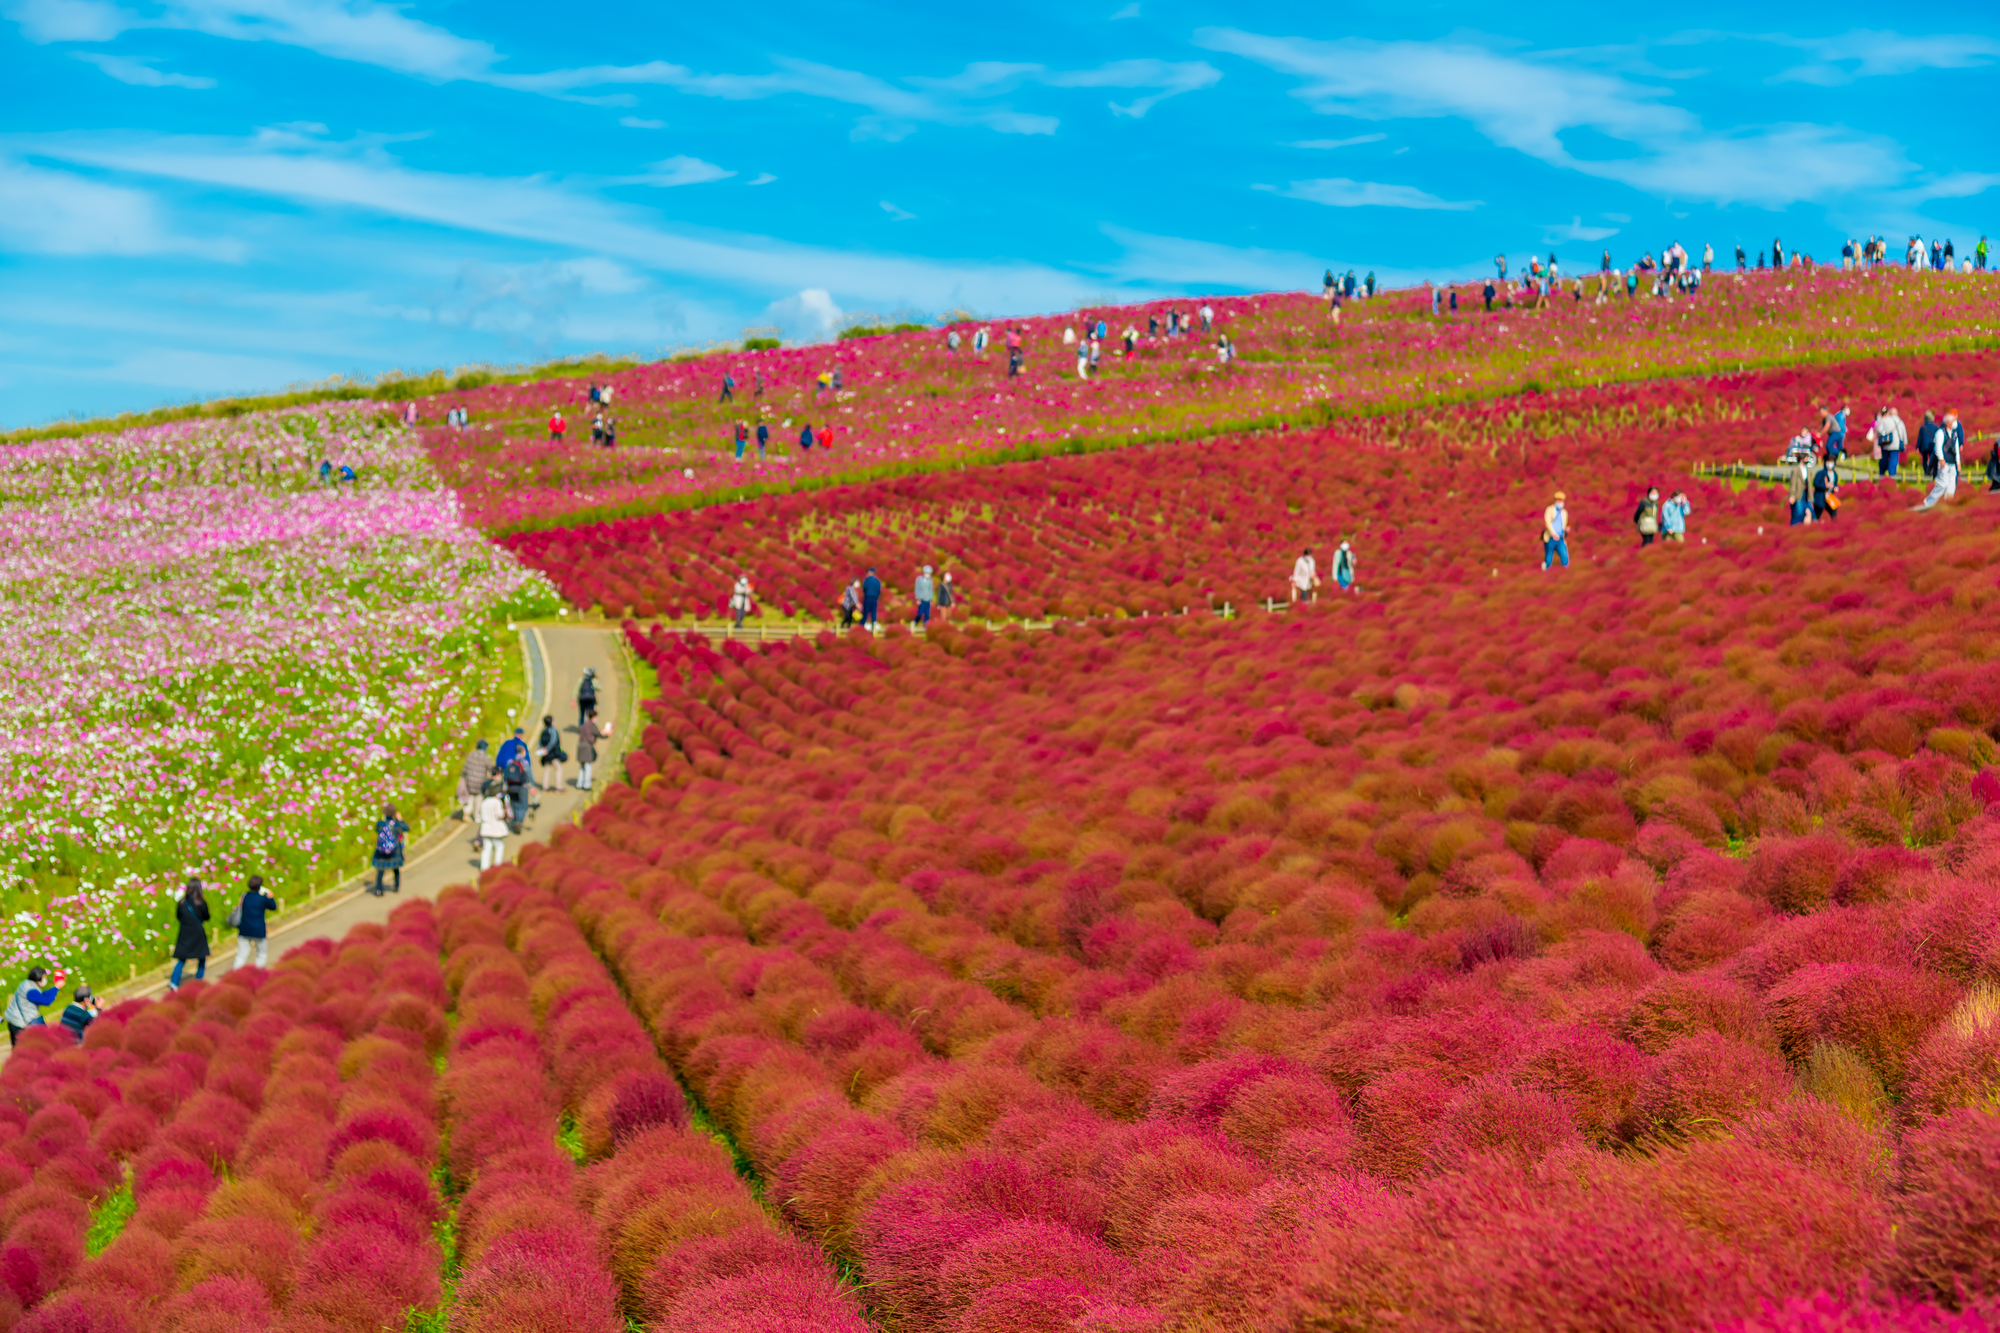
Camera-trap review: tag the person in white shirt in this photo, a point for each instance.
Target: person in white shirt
(1891, 438)
(1305, 576)
(492, 828)
(1207, 317)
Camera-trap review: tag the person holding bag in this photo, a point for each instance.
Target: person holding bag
(548, 744)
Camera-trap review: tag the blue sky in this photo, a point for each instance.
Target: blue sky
(209, 196)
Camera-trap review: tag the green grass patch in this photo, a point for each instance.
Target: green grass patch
(108, 1219)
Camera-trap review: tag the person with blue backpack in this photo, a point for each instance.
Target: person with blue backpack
(390, 835)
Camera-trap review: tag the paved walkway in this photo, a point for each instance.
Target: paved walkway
(558, 655)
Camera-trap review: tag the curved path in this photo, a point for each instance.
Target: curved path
(558, 655)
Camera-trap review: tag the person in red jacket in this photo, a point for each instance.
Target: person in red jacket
(557, 426)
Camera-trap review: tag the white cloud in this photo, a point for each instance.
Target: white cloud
(1130, 11)
(538, 210)
(1866, 54)
(896, 214)
(806, 316)
(1350, 142)
(59, 213)
(1528, 104)
(140, 73)
(1168, 78)
(45, 21)
(763, 178)
(1340, 192)
(1175, 261)
(1575, 230)
(680, 170)
(641, 123)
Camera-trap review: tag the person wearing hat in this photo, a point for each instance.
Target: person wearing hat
(926, 592)
(191, 935)
(81, 1011)
(1555, 532)
(472, 777)
(1949, 444)
(586, 702)
(24, 1009)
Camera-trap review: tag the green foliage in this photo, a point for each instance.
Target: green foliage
(761, 344)
(877, 330)
(108, 1219)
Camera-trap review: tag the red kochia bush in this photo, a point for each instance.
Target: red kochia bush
(1949, 1240)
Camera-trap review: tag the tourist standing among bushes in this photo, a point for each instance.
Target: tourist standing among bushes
(493, 828)
(871, 600)
(557, 426)
(252, 932)
(1950, 446)
(947, 597)
(1891, 438)
(925, 591)
(24, 1009)
(1305, 576)
(728, 388)
(391, 837)
(850, 603)
(1993, 468)
(548, 747)
(739, 599)
(588, 734)
(1927, 443)
(1343, 567)
(1646, 518)
(472, 775)
(1674, 517)
(1555, 532)
(1798, 489)
(81, 1011)
(1826, 487)
(190, 936)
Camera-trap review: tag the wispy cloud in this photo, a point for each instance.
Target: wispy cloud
(762, 178)
(897, 214)
(641, 123)
(1575, 230)
(1183, 262)
(1529, 104)
(140, 73)
(679, 170)
(1129, 12)
(1340, 192)
(1167, 78)
(61, 213)
(1865, 54)
(1353, 141)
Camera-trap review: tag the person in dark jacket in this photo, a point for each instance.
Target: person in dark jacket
(251, 931)
(1993, 468)
(191, 940)
(586, 695)
(80, 1012)
(390, 836)
(871, 599)
(514, 777)
(1825, 496)
(24, 1009)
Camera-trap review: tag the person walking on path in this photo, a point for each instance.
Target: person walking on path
(191, 936)
(1833, 427)
(1305, 577)
(946, 598)
(926, 592)
(1798, 489)
(850, 603)
(1825, 491)
(1674, 517)
(586, 695)
(1015, 353)
(1646, 518)
(763, 439)
(1927, 431)
(1993, 468)
(391, 839)
(588, 734)
(739, 599)
(548, 747)
(472, 775)
(516, 778)
(1891, 438)
(871, 600)
(81, 1011)
(1950, 445)
(1555, 532)
(743, 438)
(24, 1009)
(1343, 567)
(252, 933)
(493, 828)
(728, 394)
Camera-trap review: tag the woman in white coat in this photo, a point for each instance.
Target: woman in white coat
(492, 828)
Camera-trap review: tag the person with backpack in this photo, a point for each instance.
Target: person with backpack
(740, 599)
(850, 604)
(516, 778)
(728, 388)
(1891, 438)
(548, 747)
(586, 695)
(1343, 568)
(493, 827)
(81, 1011)
(472, 775)
(1555, 533)
(1826, 487)
(191, 933)
(24, 1009)
(1950, 446)
(391, 833)
(1674, 517)
(806, 438)
(871, 600)
(252, 931)
(1646, 518)
(588, 734)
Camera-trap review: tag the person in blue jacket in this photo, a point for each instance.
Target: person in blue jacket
(251, 931)
(871, 599)
(24, 1010)
(81, 1011)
